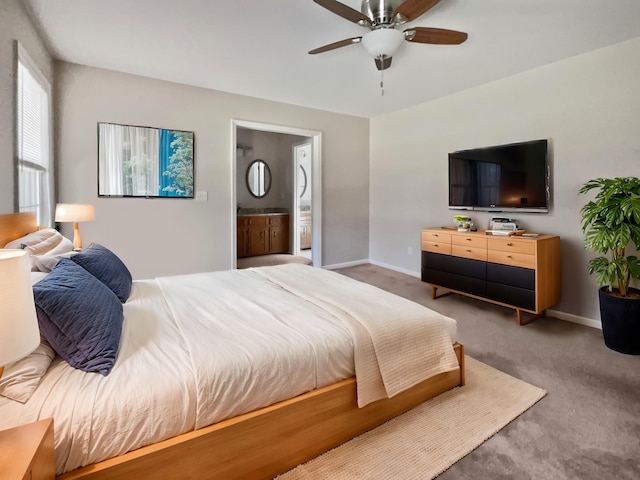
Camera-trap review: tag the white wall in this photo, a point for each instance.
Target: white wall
(173, 236)
(589, 106)
(14, 25)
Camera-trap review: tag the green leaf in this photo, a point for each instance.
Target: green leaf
(611, 222)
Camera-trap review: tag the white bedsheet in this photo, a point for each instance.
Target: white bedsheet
(149, 395)
(195, 349)
(254, 344)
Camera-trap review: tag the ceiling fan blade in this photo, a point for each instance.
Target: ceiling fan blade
(344, 11)
(334, 45)
(383, 63)
(412, 9)
(438, 36)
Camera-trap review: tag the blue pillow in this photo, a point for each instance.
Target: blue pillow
(80, 317)
(103, 264)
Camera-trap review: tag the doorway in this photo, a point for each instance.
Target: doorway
(302, 198)
(299, 180)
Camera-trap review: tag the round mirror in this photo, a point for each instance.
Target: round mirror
(258, 178)
(302, 181)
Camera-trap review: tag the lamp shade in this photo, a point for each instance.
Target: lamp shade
(19, 332)
(382, 42)
(74, 212)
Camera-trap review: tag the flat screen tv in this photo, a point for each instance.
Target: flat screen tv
(501, 178)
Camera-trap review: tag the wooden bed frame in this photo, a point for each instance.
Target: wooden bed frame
(16, 225)
(259, 444)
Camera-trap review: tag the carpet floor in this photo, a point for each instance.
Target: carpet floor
(427, 440)
(588, 425)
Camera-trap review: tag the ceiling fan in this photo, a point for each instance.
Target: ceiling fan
(382, 17)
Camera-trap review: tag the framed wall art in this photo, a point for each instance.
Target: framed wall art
(147, 162)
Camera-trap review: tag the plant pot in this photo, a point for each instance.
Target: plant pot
(620, 318)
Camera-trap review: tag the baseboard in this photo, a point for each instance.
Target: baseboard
(568, 317)
(335, 266)
(393, 267)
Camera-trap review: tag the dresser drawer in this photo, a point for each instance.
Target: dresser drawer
(515, 259)
(456, 265)
(511, 245)
(436, 236)
(518, 297)
(257, 220)
(514, 276)
(469, 252)
(278, 219)
(473, 286)
(437, 247)
(475, 241)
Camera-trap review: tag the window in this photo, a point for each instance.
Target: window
(35, 173)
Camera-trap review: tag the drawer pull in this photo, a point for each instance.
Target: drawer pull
(509, 256)
(509, 244)
(468, 251)
(436, 245)
(468, 239)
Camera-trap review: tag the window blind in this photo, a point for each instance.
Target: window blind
(33, 142)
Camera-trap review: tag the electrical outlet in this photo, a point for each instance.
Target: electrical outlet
(410, 250)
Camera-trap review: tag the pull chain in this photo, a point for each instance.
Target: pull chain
(381, 57)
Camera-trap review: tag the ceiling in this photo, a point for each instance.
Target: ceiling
(259, 48)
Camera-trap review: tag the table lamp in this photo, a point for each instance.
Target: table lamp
(73, 212)
(18, 321)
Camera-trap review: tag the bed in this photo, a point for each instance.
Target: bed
(170, 401)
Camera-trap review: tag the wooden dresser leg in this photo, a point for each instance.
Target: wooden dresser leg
(542, 314)
(434, 294)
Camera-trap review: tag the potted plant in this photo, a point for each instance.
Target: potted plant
(463, 222)
(611, 223)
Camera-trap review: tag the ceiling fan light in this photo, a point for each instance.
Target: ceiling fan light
(382, 42)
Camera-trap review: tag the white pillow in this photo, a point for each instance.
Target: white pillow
(47, 241)
(44, 239)
(20, 379)
(37, 276)
(46, 263)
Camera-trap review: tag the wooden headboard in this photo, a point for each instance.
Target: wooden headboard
(16, 225)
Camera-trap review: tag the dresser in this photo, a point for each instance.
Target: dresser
(514, 271)
(262, 234)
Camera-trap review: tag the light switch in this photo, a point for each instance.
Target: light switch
(201, 196)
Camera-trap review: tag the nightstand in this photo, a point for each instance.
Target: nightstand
(26, 452)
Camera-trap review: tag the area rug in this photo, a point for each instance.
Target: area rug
(424, 442)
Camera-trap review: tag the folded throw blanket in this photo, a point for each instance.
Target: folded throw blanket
(397, 343)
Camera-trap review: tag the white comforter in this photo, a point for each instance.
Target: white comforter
(197, 349)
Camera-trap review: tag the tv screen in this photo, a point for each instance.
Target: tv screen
(500, 178)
